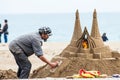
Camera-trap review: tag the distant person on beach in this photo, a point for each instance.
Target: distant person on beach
(0, 33)
(26, 45)
(5, 31)
(104, 37)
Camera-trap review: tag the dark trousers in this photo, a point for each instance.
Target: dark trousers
(23, 64)
(0, 37)
(5, 38)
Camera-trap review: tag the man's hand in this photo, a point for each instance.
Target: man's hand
(54, 64)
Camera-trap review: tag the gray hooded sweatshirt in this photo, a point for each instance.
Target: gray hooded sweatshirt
(28, 44)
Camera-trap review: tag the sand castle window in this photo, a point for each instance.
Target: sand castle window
(85, 37)
(84, 44)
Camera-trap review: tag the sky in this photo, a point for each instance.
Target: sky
(57, 6)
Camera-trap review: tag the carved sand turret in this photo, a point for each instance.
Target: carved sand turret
(76, 35)
(95, 31)
(77, 29)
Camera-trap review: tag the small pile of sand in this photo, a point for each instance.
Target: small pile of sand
(7, 74)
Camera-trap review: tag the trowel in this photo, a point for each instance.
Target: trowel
(54, 69)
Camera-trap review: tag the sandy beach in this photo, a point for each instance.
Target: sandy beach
(50, 50)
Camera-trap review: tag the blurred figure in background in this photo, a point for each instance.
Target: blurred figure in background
(5, 31)
(0, 33)
(104, 37)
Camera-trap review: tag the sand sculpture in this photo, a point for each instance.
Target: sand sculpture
(85, 51)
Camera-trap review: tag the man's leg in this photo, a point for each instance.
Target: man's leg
(5, 38)
(24, 65)
(0, 37)
(21, 60)
(16, 59)
(19, 68)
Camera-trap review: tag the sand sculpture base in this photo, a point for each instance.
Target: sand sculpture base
(72, 65)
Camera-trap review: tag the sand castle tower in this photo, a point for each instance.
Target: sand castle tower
(76, 35)
(85, 51)
(77, 30)
(95, 31)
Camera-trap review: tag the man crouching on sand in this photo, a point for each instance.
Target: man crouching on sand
(26, 45)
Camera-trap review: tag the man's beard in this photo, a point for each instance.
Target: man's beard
(45, 40)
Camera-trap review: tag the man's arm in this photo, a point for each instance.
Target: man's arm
(36, 44)
(52, 64)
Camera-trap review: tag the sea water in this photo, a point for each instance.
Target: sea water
(62, 24)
